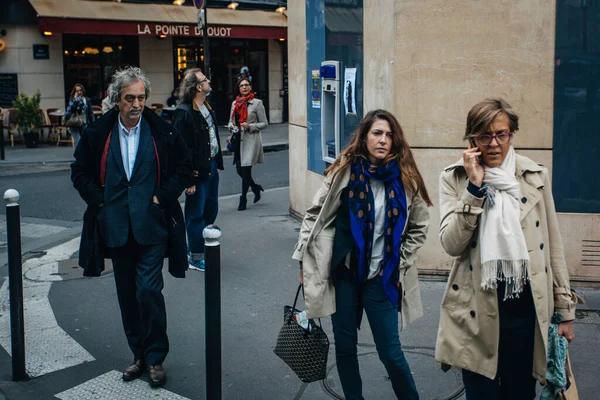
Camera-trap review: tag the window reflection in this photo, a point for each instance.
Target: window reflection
(576, 104)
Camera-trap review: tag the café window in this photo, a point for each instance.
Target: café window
(92, 60)
(227, 56)
(576, 145)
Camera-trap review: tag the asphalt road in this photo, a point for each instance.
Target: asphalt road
(50, 195)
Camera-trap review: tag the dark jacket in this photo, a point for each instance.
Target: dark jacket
(188, 120)
(175, 176)
(128, 204)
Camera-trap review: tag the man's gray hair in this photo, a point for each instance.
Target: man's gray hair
(126, 77)
(187, 88)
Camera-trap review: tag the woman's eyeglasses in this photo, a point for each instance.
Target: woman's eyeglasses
(501, 137)
(244, 85)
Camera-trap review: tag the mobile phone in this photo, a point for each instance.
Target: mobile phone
(472, 141)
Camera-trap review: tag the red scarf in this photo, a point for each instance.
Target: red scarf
(241, 107)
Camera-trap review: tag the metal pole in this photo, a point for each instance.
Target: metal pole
(212, 304)
(2, 155)
(15, 284)
(205, 44)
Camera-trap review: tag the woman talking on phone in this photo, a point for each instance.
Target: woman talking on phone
(79, 105)
(357, 249)
(509, 276)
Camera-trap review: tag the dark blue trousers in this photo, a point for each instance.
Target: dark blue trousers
(383, 320)
(201, 209)
(514, 380)
(139, 281)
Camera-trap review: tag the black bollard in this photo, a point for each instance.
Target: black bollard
(15, 284)
(2, 155)
(212, 304)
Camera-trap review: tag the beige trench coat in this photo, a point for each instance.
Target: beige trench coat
(251, 146)
(315, 247)
(468, 333)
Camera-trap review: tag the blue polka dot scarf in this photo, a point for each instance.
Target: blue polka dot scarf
(362, 218)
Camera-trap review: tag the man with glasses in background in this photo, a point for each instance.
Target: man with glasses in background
(197, 123)
(130, 168)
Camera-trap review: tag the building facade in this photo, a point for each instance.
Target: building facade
(429, 62)
(86, 41)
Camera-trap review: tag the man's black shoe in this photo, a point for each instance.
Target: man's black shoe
(133, 371)
(157, 375)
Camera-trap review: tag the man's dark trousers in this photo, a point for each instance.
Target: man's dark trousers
(135, 229)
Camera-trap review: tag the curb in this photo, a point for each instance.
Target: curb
(268, 148)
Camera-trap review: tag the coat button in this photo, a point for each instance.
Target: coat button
(523, 200)
(537, 224)
(470, 267)
(546, 269)
(541, 246)
(473, 244)
(455, 287)
(472, 313)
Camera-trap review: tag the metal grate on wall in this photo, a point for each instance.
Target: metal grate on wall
(590, 253)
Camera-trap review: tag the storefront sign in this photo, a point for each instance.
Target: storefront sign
(182, 30)
(41, 52)
(105, 27)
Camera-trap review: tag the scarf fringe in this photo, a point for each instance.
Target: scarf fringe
(514, 272)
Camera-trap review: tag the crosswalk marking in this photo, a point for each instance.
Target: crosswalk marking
(111, 386)
(48, 348)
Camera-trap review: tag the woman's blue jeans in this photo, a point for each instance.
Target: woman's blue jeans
(383, 320)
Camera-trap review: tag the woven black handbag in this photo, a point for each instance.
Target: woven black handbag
(305, 351)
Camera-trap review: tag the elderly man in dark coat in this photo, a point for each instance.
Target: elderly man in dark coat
(130, 168)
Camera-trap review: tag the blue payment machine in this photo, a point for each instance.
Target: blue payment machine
(331, 110)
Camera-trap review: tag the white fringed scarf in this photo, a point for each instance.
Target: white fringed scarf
(504, 255)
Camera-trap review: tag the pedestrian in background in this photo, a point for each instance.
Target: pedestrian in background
(247, 119)
(173, 99)
(245, 74)
(197, 122)
(80, 105)
(357, 249)
(130, 168)
(509, 275)
(107, 104)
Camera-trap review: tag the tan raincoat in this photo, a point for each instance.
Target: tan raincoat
(468, 333)
(315, 245)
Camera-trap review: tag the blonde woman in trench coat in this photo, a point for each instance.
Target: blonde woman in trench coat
(247, 119)
(374, 198)
(494, 326)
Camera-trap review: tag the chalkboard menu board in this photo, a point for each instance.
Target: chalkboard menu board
(9, 89)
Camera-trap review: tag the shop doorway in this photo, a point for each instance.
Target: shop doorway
(92, 60)
(227, 56)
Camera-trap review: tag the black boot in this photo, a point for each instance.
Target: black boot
(256, 189)
(242, 205)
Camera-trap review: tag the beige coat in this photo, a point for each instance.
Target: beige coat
(468, 334)
(251, 147)
(315, 247)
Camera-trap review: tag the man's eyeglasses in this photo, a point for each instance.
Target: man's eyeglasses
(131, 98)
(502, 137)
(202, 81)
(244, 85)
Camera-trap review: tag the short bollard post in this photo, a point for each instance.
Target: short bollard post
(212, 304)
(15, 284)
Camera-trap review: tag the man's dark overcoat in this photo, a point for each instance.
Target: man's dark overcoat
(175, 176)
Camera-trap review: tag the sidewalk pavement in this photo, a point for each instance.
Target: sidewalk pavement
(49, 157)
(258, 278)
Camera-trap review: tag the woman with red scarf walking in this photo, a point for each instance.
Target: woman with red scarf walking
(246, 120)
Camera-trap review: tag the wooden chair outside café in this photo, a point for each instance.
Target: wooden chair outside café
(60, 133)
(10, 125)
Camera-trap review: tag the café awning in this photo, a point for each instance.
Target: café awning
(112, 18)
